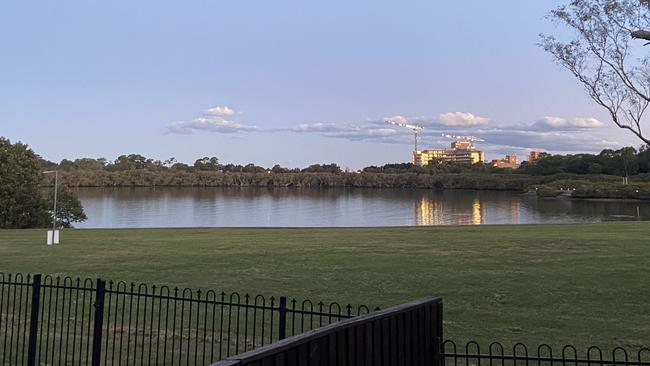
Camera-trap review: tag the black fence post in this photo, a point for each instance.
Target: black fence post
(33, 320)
(282, 323)
(99, 320)
(438, 348)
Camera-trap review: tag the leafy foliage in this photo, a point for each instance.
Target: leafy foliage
(207, 163)
(22, 202)
(69, 210)
(21, 205)
(623, 162)
(544, 175)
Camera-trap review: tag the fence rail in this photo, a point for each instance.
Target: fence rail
(46, 320)
(495, 354)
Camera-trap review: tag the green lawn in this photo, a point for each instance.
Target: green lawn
(581, 284)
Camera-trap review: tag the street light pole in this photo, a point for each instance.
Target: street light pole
(56, 185)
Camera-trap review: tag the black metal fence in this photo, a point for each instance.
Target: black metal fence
(49, 320)
(495, 354)
(398, 336)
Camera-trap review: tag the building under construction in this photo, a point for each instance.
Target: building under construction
(461, 151)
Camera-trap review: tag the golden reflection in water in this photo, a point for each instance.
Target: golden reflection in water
(477, 214)
(515, 209)
(428, 211)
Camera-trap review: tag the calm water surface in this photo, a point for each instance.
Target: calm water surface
(250, 207)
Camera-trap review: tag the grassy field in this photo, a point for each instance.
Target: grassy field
(581, 284)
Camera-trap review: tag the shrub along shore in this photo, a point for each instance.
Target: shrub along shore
(582, 175)
(579, 186)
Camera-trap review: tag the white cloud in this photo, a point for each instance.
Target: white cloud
(553, 134)
(220, 111)
(354, 132)
(321, 127)
(461, 119)
(558, 135)
(552, 141)
(213, 120)
(560, 123)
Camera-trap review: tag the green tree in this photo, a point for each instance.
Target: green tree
(90, 164)
(278, 169)
(132, 162)
(207, 163)
(323, 168)
(180, 166)
(644, 159)
(69, 210)
(21, 203)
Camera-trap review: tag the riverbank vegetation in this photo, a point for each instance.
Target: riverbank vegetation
(623, 173)
(583, 175)
(580, 284)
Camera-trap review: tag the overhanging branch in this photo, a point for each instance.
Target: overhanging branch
(642, 34)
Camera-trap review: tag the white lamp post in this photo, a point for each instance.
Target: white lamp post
(53, 235)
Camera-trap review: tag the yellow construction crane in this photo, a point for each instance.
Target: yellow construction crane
(415, 128)
(470, 139)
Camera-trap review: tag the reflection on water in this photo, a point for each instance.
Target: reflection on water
(477, 214)
(455, 210)
(219, 207)
(428, 211)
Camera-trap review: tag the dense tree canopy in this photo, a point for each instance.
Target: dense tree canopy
(23, 203)
(626, 161)
(207, 163)
(69, 209)
(323, 168)
(623, 162)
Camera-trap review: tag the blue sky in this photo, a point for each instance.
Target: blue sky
(290, 82)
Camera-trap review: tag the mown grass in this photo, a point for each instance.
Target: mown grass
(580, 284)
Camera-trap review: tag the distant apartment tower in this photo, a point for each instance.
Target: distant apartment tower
(460, 152)
(510, 161)
(534, 156)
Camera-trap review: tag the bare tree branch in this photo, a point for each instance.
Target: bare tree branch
(641, 34)
(600, 56)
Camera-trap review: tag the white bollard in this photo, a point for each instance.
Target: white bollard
(52, 237)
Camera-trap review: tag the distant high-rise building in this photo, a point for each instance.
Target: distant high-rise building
(460, 152)
(510, 161)
(534, 156)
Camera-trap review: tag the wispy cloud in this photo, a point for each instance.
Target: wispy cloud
(212, 120)
(553, 141)
(354, 132)
(553, 134)
(560, 123)
(322, 127)
(462, 119)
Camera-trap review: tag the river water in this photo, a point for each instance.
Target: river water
(290, 207)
